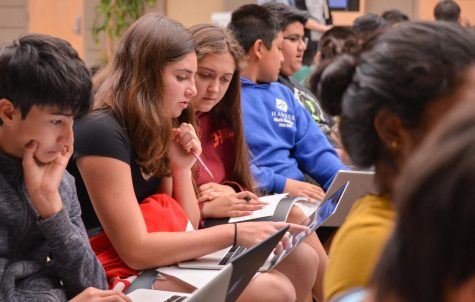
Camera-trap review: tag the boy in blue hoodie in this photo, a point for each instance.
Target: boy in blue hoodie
(284, 141)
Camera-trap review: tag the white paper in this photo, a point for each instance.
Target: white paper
(307, 206)
(194, 277)
(269, 210)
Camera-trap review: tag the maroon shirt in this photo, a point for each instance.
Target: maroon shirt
(218, 152)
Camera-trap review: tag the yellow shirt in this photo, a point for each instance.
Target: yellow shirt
(358, 244)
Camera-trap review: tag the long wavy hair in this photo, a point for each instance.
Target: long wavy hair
(132, 87)
(211, 39)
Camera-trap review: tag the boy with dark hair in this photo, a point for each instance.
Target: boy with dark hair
(45, 253)
(292, 21)
(447, 10)
(284, 140)
(265, 26)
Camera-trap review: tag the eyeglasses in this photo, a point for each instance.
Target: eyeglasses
(296, 39)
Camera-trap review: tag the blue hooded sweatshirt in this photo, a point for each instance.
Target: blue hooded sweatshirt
(283, 139)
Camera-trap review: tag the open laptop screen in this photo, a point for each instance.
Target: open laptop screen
(313, 222)
(318, 217)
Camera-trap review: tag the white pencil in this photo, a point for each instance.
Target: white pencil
(202, 163)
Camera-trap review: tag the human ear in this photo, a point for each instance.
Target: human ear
(318, 57)
(256, 48)
(389, 128)
(7, 111)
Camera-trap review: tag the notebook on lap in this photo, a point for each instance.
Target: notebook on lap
(225, 286)
(218, 259)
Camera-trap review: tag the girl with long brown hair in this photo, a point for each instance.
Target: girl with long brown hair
(218, 106)
(139, 141)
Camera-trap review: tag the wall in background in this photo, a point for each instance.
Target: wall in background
(13, 19)
(63, 19)
(191, 12)
(72, 19)
(426, 9)
(409, 7)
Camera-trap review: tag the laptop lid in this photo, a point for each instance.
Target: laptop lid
(214, 291)
(228, 284)
(217, 289)
(359, 184)
(247, 264)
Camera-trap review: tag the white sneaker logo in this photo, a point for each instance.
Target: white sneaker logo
(281, 105)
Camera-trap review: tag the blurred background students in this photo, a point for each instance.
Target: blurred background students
(394, 16)
(367, 25)
(447, 10)
(320, 21)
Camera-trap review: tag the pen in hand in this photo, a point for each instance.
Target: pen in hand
(202, 163)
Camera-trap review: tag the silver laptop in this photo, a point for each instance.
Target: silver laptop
(218, 286)
(227, 285)
(217, 259)
(359, 184)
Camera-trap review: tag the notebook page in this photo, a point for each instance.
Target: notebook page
(269, 210)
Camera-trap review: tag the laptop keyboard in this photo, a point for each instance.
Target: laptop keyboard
(231, 254)
(175, 298)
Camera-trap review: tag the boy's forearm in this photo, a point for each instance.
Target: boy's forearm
(72, 256)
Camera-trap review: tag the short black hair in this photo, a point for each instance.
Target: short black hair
(368, 24)
(394, 16)
(287, 14)
(43, 70)
(447, 10)
(337, 40)
(252, 22)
